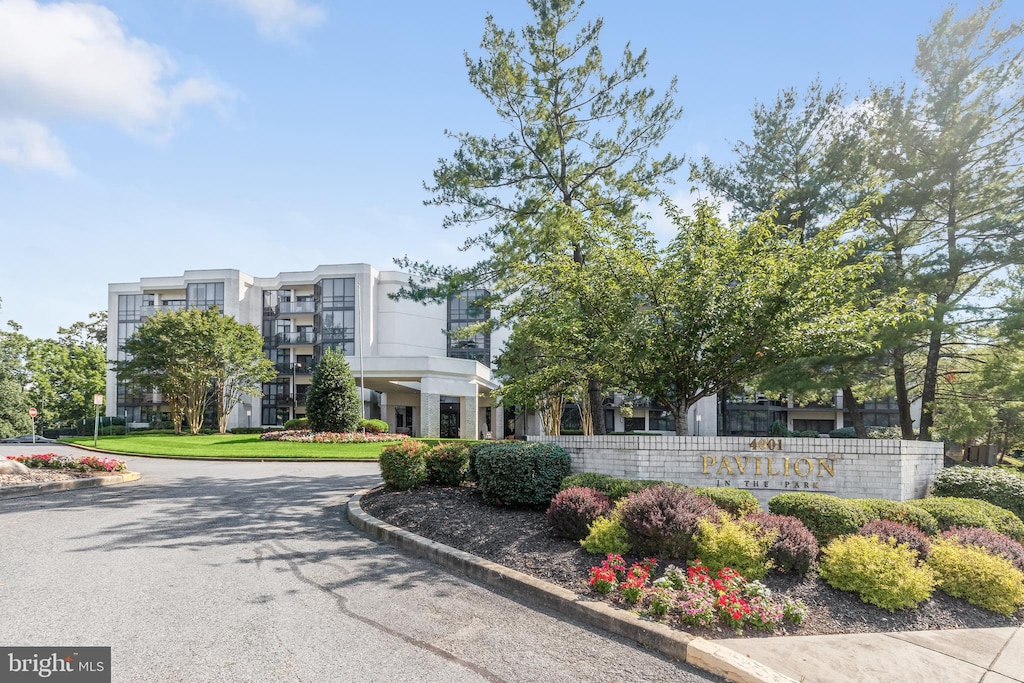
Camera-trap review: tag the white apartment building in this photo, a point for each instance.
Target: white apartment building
(411, 373)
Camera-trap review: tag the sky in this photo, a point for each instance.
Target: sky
(142, 139)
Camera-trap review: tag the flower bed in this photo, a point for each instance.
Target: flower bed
(307, 436)
(85, 463)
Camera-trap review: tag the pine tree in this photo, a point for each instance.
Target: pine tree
(332, 404)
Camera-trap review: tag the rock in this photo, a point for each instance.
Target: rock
(13, 467)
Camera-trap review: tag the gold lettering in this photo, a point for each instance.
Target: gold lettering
(771, 468)
(796, 467)
(708, 460)
(785, 466)
(827, 465)
(742, 468)
(757, 466)
(726, 466)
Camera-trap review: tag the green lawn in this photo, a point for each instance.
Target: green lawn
(230, 446)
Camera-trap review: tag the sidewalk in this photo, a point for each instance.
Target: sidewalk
(984, 655)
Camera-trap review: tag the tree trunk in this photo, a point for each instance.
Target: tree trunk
(856, 415)
(596, 398)
(931, 374)
(899, 372)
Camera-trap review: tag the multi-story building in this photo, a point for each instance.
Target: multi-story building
(411, 373)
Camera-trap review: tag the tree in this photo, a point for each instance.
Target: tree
(195, 359)
(950, 152)
(14, 401)
(723, 304)
(333, 403)
(582, 139)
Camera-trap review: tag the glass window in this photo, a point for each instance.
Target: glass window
(661, 421)
(204, 295)
(463, 311)
(636, 424)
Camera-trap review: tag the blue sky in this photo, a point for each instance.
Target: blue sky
(146, 138)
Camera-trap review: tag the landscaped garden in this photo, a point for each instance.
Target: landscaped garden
(711, 560)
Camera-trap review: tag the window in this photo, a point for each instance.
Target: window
(204, 295)
(571, 418)
(636, 424)
(661, 421)
(820, 426)
(463, 311)
(335, 320)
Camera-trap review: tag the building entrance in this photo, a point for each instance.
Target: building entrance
(449, 418)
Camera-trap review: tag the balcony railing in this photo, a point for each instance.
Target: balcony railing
(149, 311)
(301, 369)
(294, 338)
(285, 399)
(294, 307)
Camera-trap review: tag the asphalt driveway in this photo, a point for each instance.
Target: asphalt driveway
(237, 571)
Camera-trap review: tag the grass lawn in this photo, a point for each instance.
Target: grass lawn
(230, 446)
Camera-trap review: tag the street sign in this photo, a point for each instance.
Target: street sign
(97, 399)
(32, 412)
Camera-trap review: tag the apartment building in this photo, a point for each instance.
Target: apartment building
(410, 372)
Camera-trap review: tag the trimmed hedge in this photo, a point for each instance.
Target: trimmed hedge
(992, 541)
(904, 513)
(514, 473)
(979, 577)
(991, 484)
(615, 488)
(826, 516)
(950, 512)
(737, 502)
(903, 534)
(402, 464)
(373, 426)
(447, 463)
(573, 510)
(297, 423)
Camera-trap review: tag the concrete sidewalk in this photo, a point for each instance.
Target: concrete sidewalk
(983, 655)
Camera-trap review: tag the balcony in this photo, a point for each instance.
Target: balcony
(301, 369)
(296, 307)
(294, 338)
(284, 400)
(150, 311)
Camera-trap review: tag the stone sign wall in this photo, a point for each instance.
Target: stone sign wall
(766, 466)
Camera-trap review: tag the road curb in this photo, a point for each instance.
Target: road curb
(123, 454)
(23, 490)
(698, 652)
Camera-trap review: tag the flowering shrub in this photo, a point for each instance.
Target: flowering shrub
(979, 577)
(447, 463)
(402, 464)
(606, 535)
(85, 463)
(307, 436)
(661, 520)
(992, 541)
(573, 510)
(880, 572)
(903, 534)
(728, 598)
(632, 585)
(794, 548)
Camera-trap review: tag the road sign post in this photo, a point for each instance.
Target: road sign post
(32, 413)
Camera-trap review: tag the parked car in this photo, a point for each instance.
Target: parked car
(27, 438)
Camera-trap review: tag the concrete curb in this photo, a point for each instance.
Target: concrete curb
(698, 652)
(23, 490)
(212, 459)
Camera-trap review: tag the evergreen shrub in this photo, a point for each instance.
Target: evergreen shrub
(741, 545)
(793, 547)
(373, 426)
(880, 573)
(904, 513)
(402, 464)
(979, 577)
(903, 534)
(297, 423)
(333, 403)
(606, 535)
(992, 541)
(950, 512)
(826, 516)
(992, 484)
(737, 502)
(573, 510)
(447, 463)
(514, 473)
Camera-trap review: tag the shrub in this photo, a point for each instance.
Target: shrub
(246, 430)
(622, 488)
(740, 545)
(517, 473)
(950, 512)
(573, 510)
(590, 480)
(447, 463)
(880, 573)
(606, 535)
(904, 513)
(992, 541)
(807, 434)
(972, 573)
(991, 484)
(826, 516)
(738, 502)
(402, 464)
(373, 426)
(793, 548)
(843, 433)
(779, 428)
(661, 520)
(471, 474)
(333, 403)
(885, 433)
(904, 534)
(297, 423)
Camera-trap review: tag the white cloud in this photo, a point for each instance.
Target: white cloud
(30, 144)
(281, 19)
(69, 61)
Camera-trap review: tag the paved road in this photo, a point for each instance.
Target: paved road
(226, 571)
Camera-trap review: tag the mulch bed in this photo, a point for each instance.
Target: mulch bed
(522, 540)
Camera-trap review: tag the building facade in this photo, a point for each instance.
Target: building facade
(411, 373)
